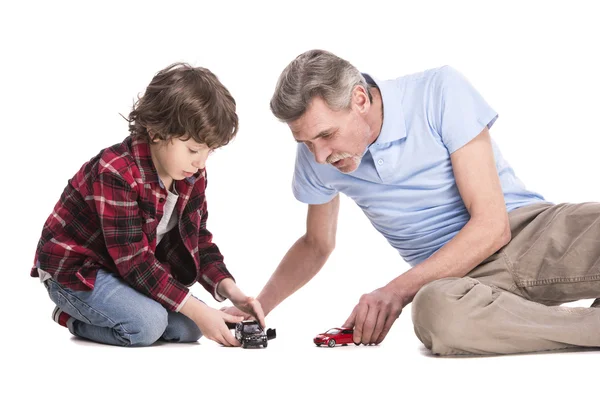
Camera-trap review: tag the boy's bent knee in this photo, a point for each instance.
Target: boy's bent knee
(147, 328)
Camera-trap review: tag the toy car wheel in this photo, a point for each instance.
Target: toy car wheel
(265, 343)
(244, 345)
(318, 344)
(331, 343)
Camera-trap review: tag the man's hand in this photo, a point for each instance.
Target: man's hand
(232, 310)
(374, 315)
(246, 304)
(250, 306)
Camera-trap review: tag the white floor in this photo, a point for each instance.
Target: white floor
(44, 360)
(71, 68)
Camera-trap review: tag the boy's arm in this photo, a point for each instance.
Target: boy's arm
(116, 204)
(212, 267)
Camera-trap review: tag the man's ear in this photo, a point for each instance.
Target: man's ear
(360, 99)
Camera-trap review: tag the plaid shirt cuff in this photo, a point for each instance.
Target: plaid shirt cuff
(178, 309)
(173, 295)
(211, 276)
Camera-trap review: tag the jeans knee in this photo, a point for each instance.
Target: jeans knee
(181, 329)
(146, 328)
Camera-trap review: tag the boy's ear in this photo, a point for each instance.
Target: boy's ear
(152, 137)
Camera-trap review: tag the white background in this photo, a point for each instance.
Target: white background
(69, 68)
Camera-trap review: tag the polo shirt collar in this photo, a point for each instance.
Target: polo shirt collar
(393, 127)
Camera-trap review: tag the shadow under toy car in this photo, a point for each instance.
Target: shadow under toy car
(250, 334)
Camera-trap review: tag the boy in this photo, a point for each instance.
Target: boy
(128, 235)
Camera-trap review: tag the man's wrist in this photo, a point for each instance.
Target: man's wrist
(266, 306)
(401, 289)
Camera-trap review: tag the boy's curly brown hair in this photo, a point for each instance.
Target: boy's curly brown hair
(182, 100)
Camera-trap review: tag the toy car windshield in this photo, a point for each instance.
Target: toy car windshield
(253, 328)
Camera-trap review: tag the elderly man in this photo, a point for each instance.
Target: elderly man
(491, 261)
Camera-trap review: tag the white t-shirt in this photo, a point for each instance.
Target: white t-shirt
(169, 219)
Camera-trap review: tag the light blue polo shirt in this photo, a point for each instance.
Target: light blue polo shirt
(405, 184)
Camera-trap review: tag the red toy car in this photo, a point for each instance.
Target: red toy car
(335, 336)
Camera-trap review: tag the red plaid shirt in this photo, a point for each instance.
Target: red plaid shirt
(107, 218)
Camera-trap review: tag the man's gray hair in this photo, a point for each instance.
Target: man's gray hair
(315, 73)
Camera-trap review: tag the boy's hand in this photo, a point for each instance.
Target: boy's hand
(211, 322)
(246, 304)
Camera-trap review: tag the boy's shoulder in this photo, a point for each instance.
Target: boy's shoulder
(129, 160)
(121, 157)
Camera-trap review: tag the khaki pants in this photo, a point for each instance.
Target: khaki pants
(510, 303)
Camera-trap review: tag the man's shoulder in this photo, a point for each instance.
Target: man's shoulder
(428, 75)
(305, 159)
(307, 167)
(416, 85)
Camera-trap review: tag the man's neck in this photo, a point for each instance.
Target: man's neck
(375, 116)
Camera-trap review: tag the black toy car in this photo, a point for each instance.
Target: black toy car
(250, 334)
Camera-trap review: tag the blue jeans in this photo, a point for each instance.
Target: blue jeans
(115, 313)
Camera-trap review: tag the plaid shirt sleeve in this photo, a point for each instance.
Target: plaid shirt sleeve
(212, 267)
(121, 222)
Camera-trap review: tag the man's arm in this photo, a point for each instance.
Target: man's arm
(486, 232)
(305, 258)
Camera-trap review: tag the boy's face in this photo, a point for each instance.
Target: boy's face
(176, 159)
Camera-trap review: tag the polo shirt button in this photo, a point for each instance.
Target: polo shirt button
(161, 200)
(380, 161)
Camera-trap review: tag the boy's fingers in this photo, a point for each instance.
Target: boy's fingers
(222, 341)
(229, 339)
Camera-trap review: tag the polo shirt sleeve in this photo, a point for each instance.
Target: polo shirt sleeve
(458, 112)
(306, 185)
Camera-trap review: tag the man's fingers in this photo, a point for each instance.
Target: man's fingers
(387, 326)
(359, 322)
(379, 325)
(369, 325)
(233, 311)
(350, 321)
(231, 318)
(258, 313)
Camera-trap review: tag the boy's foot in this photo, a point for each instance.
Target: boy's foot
(596, 303)
(60, 317)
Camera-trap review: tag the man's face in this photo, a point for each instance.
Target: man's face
(339, 138)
